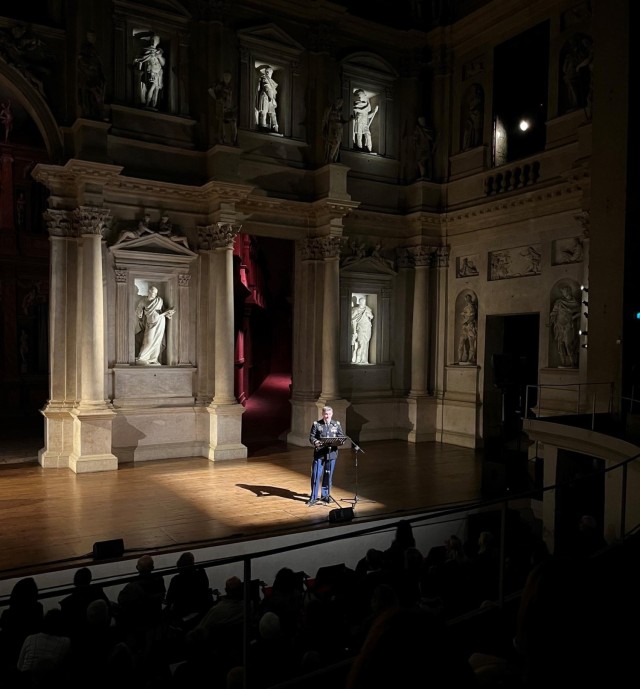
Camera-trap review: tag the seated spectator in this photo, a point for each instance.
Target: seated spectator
(74, 606)
(46, 652)
(22, 617)
(188, 595)
(140, 601)
(286, 600)
(223, 625)
(403, 539)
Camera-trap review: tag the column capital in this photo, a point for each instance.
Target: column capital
(422, 256)
(441, 256)
(91, 220)
(220, 235)
(321, 248)
(59, 223)
(584, 220)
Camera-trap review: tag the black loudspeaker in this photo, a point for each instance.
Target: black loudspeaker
(104, 550)
(343, 514)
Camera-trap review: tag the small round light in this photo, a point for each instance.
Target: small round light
(524, 125)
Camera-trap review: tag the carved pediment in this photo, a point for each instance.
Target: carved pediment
(368, 264)
(152, 249)
(271, 38)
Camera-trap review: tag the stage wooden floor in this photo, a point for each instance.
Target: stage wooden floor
(54, 515)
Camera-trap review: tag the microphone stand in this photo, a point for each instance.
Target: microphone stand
(355, 499)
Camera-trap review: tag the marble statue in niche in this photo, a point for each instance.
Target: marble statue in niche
(151, 325)
(361, 319)
(363, 114)
(468, 340)
(226, 111)
(266, 100)
(425, 146)
(91, 79)
(151, 65)
(474, 118)
(333, 130)
(564, 320)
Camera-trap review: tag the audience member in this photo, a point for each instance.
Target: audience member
(21, 618)
(45, 653)
(223, 625)
(285, 600)
(74, 606)
(403, 539)
(188, 596)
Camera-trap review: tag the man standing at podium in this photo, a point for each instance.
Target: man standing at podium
(324, 455)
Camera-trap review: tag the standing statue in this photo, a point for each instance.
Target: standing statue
(333, 130)
(362, 117)
(425, 147)
(361, 317)
(91, 79)
(151, 63)
(564, 319)
(474, 119)
(266, 100)
(6, 117)
(152, 323)
(226, 111)
(467, 343)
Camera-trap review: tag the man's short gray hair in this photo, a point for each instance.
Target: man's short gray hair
(327, 408)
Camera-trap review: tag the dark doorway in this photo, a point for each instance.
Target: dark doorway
(264, 331)
(510, 365)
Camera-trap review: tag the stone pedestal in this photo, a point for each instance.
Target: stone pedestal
(421, 415)
(460, 405)
(91, 435)
(220, 426)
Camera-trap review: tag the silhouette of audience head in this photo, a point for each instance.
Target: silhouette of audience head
(234, 588)
(82, 577)
(186, 560)
(145, 565)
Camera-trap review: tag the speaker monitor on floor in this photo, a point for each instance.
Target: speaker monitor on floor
(343, 514)
(105, 550)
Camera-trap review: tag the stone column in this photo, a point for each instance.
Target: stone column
(184, 319)
(58, 441)
(123, 355)
(330, 247)
(421, 408)
(419, 342)
(220, 423)
(92, 437)
(307, 334)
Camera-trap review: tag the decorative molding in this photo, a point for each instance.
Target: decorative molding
(121, 274)
(320, 248)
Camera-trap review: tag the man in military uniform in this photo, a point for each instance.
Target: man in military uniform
(324, 456)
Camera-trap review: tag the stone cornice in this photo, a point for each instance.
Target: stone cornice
(509, 208)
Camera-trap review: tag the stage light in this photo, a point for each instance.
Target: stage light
(524, 125)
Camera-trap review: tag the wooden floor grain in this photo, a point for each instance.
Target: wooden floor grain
(52, 515)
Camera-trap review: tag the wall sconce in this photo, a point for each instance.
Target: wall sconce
(584, 288)
(586, 303)
(585, 346)
(583, 332)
